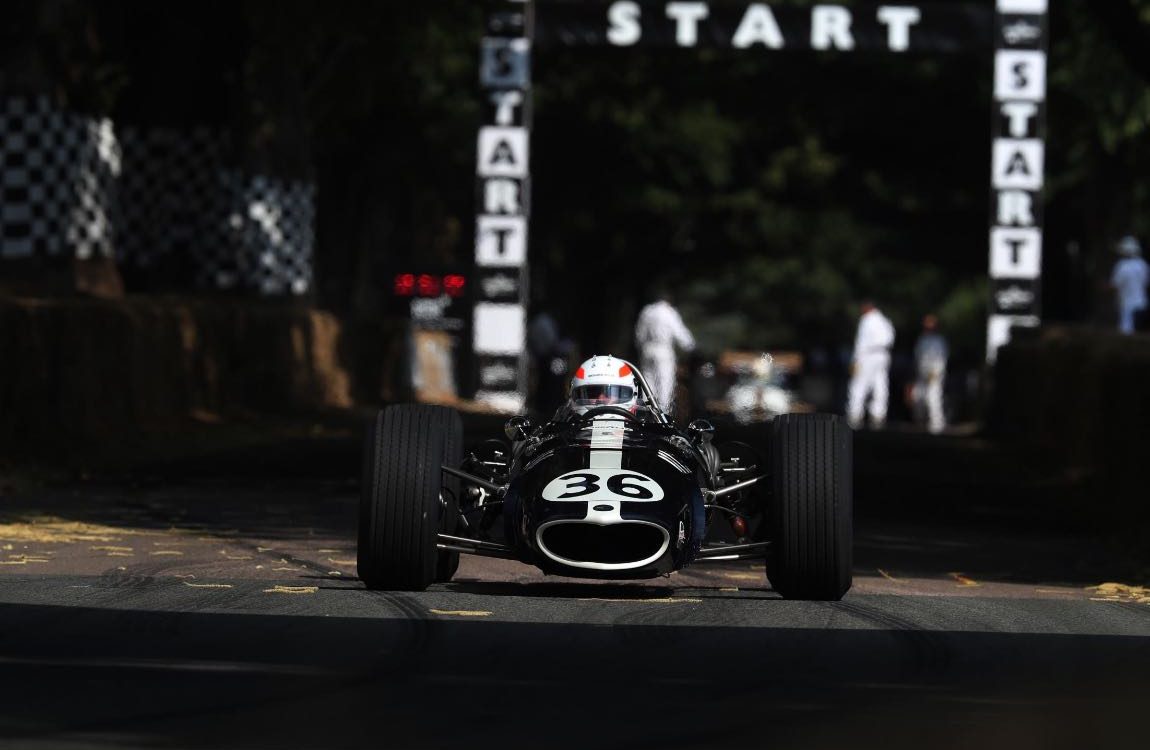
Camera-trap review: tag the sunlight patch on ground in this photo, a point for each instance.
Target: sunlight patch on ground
(292, 590)
(54, 530)
(460, 612)
(1120, 592)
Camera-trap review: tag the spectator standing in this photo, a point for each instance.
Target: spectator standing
(870, 367)
(930, 356)
(1129, 280)
(658, 331)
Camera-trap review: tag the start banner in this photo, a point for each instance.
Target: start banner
(731, 24)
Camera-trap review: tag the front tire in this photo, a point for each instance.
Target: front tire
(401, 511)
(810, 513)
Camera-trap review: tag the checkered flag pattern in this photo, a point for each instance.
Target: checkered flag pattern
(273, 224)
(58, 173)
(171, 198)
(74, 186)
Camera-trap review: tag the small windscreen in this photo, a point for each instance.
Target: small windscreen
(592, 395)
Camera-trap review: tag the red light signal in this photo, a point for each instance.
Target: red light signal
(453, 285)
(429, 285)
(404, 284)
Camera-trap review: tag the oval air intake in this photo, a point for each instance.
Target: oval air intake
(617, 544)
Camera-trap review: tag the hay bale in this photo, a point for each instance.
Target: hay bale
(85, 369)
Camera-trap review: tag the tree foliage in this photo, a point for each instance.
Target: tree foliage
(774, 190)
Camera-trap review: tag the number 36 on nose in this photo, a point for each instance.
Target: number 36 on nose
(603, 484)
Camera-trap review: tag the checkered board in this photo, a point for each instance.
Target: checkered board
(272, 225)
(58, 173)
(76, 186)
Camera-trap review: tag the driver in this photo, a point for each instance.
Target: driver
(603, 381)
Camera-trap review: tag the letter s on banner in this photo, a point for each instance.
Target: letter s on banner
(624, 19)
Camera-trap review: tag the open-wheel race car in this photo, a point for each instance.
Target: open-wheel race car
(605, 491)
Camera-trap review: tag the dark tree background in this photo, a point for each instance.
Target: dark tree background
(772, 190)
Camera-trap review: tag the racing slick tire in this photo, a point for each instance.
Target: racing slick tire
(400, 509)
(448, 562)
(810, 510)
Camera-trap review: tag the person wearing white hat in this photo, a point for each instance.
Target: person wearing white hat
(1129, 279)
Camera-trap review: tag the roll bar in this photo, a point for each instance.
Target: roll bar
(652, 404)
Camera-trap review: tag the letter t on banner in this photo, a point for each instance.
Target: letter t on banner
(498, 319)
(1017, 169)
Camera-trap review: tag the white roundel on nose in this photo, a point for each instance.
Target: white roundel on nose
(602, 485)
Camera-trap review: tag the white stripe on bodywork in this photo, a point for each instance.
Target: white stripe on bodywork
(606, 443)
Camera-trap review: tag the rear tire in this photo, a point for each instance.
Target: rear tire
(400, 508)
(811, 525)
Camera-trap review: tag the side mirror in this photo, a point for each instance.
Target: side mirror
(517, 428)
(701, 430)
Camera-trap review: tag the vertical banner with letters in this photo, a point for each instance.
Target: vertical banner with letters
(1017, 178)
(1017, 169)
(503, 185)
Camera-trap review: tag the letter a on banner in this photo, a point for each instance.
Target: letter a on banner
(758, 27)
(502, 152)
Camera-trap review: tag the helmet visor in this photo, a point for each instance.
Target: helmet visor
(601, 395)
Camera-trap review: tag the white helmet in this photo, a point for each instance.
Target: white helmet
(1130, 246)
(603, 381)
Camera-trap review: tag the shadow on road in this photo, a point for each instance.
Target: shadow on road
(86, 677)
(925, 506)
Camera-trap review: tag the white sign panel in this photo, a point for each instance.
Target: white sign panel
(503, 195)
(505, 64)
(1018, 164)
(507, 402)
(998, 331)
(1020, 76)
(499, 329)
(502, 152)
(1022, 6)
(501, 241)
(1015, 253)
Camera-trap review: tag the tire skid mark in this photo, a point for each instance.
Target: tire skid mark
(404, 652)
(928, 654)
(143, 580)
(310, 566)
(1142, 608)
(645, 626)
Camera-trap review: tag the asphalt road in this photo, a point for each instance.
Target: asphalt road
(224, 612)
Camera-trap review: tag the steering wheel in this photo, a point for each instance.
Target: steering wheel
(598, 411)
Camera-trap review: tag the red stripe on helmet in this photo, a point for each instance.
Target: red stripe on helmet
(579, 374)
(624, 371)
